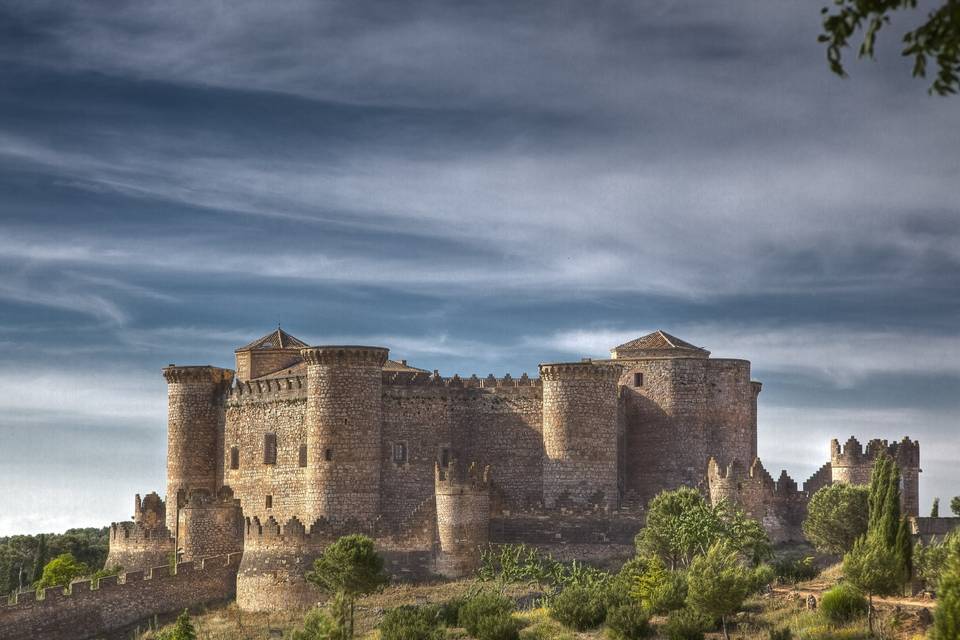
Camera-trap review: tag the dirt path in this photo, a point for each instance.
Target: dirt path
(817, 590)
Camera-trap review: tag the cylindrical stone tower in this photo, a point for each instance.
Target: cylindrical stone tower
(194, 415)
(343, 419)
(580, 434)
(463, 518)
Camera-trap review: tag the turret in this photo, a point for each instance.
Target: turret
(580, 414)
(274, 565)
(143, 543)
(343, 424)
(851, 464)
(463, 517)
(194, 416)
(210, 525)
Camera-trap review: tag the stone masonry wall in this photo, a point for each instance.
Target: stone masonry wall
(210, 525)
(119, 601)
(580, 410)
(194, 424)
(463, 517)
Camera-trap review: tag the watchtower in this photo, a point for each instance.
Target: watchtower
(851, 464)
(463, 517)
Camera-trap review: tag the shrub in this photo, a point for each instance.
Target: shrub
(760, 577)
(449, 612)
(410, 623)
(580, 608)
(686, 624)
(482, 606)
(317, 625)
(628, 622)
(843, 603)
(542, 627)
(658, 589)
(498, 627)
(780, 634)
(794, 570)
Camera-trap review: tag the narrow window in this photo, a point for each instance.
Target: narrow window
(269, 448)
(445, 457)
(400, 452)
(638, 379)
(303, 455)
(269, 502)
(234, 457)
(328, 455)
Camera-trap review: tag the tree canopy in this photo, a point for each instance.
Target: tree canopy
(61, 571)
(718, 583)
(938, 38)
(836, 517)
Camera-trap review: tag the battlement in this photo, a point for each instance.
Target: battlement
(906, 452)
(270, 533)
(268, 389)
(86, 609)
(735, 472)
(455, 479)
(132, 533)
(204, 374)
(423, 379)
(149, 511)
(586, 370)
(345, 355)
(819, 480)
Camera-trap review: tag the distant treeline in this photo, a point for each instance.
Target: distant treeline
(22, 558)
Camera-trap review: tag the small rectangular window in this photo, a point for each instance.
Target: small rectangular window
(269, 448)
(400, 452)
(303, 455)
(269, 502)
(328, 455)
(445, 457)
(234, 458)
(638, 379)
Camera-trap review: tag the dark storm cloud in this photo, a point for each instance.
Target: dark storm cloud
(479, 186)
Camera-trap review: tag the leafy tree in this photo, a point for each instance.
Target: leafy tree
(659, 590)
(836, 517)
(946, 617)
(351, 567)
(681, 525)
(955, 505)
(935, 509)
(873, 567)
(718, 583)
(937, 38)
(61, 571)
(931, 560)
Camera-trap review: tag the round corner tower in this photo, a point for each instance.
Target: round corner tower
(194, 418)
(463, 518)
(851, 464)
(272, 573)
(580, 417)
(343, 418)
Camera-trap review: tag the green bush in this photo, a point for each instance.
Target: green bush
(411, 623)
(481, 607)
(449, 612)
(629, 622)
(686, 624)
(317, 625)
(780, 634)
(498, 627)
(580, 608)
(843, 604)
(760, 577)
(794, 570)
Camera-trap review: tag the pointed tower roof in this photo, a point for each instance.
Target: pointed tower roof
(658, 344)
(278, 340)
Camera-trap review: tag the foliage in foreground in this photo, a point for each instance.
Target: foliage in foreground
(182, 629)
(836, 517)
(580, 608)
(682, 525)
(937, 38)
(487, 616)
(946, 617)
(718, 583)
(628, 622)
(411, 623)
(686, 624)
(842, 604)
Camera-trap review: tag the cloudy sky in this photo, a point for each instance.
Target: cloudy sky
(479, 187)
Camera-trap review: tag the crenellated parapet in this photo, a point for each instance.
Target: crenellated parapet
(203, 374)
(209, 524)
(778, 505)
(586, 370)
(146, 541)
(267, 390)
(345, 356)
(424, 379)
(463, 517)
(853, 464)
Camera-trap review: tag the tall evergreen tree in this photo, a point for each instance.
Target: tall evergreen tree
(40, 559)
(935, 509)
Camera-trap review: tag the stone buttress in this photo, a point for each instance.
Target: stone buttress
(463, 517)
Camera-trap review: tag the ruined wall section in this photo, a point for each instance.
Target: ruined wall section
(254, 410)
(679, 412)
(143, 543)
(463, 517)
(195, 418)
(778, 505)
(118, 601)
(580, 411)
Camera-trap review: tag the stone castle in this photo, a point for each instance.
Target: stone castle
(301, 444)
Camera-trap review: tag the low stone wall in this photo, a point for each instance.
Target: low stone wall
(557, 528)
(927, 529)
(119, 601)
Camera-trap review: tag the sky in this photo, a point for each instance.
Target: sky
(480, 187)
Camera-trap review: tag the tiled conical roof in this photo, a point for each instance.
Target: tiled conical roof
(661, 343)
(278, 339)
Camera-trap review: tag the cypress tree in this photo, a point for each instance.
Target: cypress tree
(879, 483)
(935, 509)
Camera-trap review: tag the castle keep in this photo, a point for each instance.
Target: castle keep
(298, 445)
